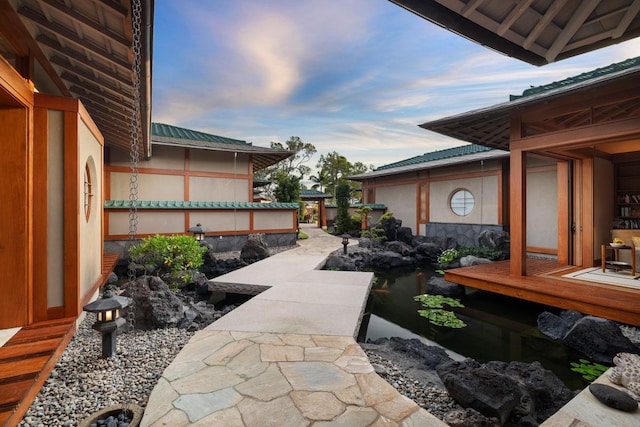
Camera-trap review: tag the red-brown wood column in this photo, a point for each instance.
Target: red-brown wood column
(518, 211)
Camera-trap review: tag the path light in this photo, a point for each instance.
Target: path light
(108, 321)
(198, 232)
(345, 242)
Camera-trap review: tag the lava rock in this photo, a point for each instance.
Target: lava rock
(600, 339)
(470, 260)
(255, 249)
(613, 397)
(437, 285)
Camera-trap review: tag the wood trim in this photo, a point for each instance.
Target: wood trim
(563, 211)
(71, 206)
(16, 171)
(587, 213)
(542, 169)
(156, 171)
(538, 250)
(583, 136)
(91, 125)
(17, 88)
(54, 313)
(187, 165)
(493, 172)
(251, 221)
(40, 213)
(518, 212)
(250, 168)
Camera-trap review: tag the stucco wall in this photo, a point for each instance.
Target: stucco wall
(273, 220)
(150, 186)
(485, 194)
(221, 220)
(218, 161)
(55, 209)
(204, 189)
(90, 253)
(542, 209)
(149, 222)
(163, 158)
(401, 200)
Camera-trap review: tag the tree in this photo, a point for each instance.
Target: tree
(293, 165)
(320, 181)
(335, 168)
(287, 188)
(343, 220)
(296, 163)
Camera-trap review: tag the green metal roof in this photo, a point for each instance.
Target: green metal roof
(308, 193)
(589, 75)
(375, 206)
(438, 155)
(168, 131)
(179, 204)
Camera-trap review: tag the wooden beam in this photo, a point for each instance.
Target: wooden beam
(543, 23)
(72, 36)
(102, 71)
(76, 16)
(575, 23)
(626, 20)
(562, 177)
(519, 8)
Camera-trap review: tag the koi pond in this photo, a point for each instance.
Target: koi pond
(498, 327)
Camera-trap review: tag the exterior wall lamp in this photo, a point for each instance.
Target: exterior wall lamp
(345, 242)
(108, 321)
(198, 232)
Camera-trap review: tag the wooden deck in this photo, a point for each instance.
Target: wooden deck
(27, 359)
(544, 285)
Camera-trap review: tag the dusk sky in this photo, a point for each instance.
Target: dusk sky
(352, 76)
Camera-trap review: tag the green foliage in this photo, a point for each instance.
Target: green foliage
(343, 220)
(334, 168)
(480, 252)
(589, 371)
(434, 312)
(374, 233)
(448, 256)
(178, 255)
(287, 189)
(302, 211)
(386, 215)
(302, 235)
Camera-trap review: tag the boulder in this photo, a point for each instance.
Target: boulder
(386, 259)
(599, 339)
(402, 248)
(365, 242)
(429, 356)
(428, 250)
(517, 392)
(255, 249)
(474, 386)
(390, 226)
(155, 305)
(404, 235)
(470, 260)
(340, 262)
(437, 285)
(555, 326)
(494, 240)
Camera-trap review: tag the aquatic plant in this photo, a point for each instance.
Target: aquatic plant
(448, 256)
(435, 313)
(589, 370)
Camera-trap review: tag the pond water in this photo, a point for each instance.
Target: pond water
(498, 327)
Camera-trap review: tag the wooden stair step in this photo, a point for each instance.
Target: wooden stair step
(21, 368)
(28, 349)
(35, 334)
(4, 416)
(11, 393)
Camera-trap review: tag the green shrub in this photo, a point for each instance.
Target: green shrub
(302, 235)
(480, 252)
(177, 255)
(448, 256)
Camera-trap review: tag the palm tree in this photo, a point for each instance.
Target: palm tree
(321, 181)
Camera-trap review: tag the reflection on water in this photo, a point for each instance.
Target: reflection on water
(498, 327)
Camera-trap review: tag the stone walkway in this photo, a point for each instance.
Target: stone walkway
(287, 357)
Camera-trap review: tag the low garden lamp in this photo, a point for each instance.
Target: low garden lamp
(198, 232)
(345, 242)
(108, 319)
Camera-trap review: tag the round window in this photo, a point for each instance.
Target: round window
(461, 202)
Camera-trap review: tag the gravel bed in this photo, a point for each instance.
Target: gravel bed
(433, 399)
(83, 383)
